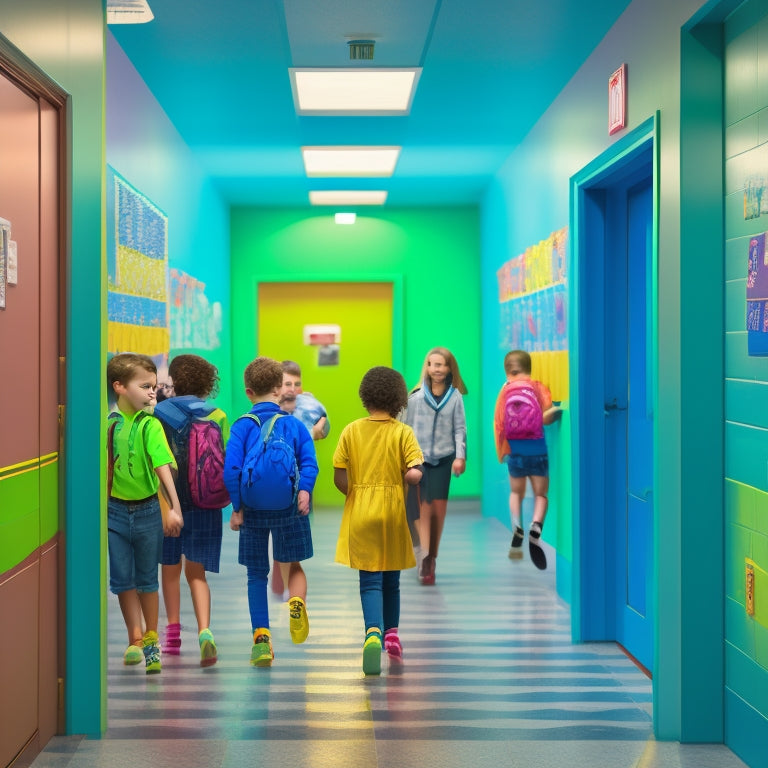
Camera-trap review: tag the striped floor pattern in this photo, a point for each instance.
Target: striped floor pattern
(489, 676)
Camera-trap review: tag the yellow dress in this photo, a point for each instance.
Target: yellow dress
(374, 533)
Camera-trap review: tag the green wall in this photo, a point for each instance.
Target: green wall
(431, 254)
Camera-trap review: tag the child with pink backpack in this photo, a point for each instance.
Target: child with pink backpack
(197, 432)
(523, 407)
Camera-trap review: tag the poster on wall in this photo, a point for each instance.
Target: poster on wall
(137, 273)
(533, 307)
(757, 296)
(195, 321)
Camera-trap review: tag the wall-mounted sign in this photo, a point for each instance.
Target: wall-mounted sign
(617, 100)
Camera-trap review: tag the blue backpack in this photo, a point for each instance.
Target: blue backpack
(269, 480)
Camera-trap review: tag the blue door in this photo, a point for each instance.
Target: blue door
(635, 531)
(628, 418)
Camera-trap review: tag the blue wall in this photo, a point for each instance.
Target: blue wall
(144, 147)
(530, 198)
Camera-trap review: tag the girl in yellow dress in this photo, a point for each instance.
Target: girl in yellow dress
(373, 458)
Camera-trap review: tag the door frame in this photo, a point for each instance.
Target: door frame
(592, 606)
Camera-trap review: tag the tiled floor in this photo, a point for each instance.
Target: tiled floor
(489, 677)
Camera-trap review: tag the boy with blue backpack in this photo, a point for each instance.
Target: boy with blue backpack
(523, 407)
(270, 471)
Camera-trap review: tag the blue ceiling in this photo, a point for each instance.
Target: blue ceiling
(490, 69)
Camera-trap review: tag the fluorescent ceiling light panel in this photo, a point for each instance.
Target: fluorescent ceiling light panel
(354, 91)
(350, 161)
(347, 197)
(345, 218)
(128, 12)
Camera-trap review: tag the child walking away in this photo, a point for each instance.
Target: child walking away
(270, 471)
(197, 432)
(372, 458)
(436, 413)
(140, 462)
(522, 408)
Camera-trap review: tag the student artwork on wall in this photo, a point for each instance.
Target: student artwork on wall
(533, 309)
(757, 296)
(137, 272)
(195, 321)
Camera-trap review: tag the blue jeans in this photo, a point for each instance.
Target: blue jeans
(135, 537)
(380, 596)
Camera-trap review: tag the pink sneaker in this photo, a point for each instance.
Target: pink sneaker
(392, 643)
(172, 639)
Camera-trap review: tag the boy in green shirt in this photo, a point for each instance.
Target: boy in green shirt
(140, 462)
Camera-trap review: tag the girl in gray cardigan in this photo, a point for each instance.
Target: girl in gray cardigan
(436, 414)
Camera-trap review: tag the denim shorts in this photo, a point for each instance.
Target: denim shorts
(135, 536)
(528, 466)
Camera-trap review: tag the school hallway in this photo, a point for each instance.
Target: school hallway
(489, 677)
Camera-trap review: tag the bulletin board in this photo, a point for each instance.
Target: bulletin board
(757, 296)
(137, 272)
(533, 309)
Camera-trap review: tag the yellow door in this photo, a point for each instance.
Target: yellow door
(363, 311)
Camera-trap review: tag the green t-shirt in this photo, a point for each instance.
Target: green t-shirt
(139, 445)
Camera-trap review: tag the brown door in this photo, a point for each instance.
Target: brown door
(30, 348)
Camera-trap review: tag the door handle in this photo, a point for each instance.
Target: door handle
(613, 406)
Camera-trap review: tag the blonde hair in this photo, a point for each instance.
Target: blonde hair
(453, 366)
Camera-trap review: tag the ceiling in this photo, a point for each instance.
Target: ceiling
(490, 69)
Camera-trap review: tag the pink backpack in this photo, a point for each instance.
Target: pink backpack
(205, 465)
(523, 418)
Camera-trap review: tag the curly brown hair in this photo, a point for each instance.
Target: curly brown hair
(262, 375)
(123, 367)
(383, 389)
(194, 375)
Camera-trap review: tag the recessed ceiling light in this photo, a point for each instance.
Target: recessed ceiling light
(350, 161)
(128, 12)
(354, 91)
(345, 218)
(347, 197)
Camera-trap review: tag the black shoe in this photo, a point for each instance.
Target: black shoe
(535, 550)
(516, 547)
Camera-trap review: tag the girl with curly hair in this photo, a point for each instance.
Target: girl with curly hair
(373, 458)
(194, 381)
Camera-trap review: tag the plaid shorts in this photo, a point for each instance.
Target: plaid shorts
(200, 539)
(291, 538)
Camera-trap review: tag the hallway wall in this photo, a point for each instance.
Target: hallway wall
(69, 47)
(529, 199)
(145, 148)
(433, 255)
(746, 377)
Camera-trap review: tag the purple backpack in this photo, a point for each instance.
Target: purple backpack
(205, 465)
(523, 418)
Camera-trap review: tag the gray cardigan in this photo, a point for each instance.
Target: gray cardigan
(442, 431)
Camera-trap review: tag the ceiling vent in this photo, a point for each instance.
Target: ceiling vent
(361, 50)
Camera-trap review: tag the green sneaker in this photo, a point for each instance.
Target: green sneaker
(299, 622)
(208, 653)
(152, 653)
(261, 652)
(133, 655)
(372, 652)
